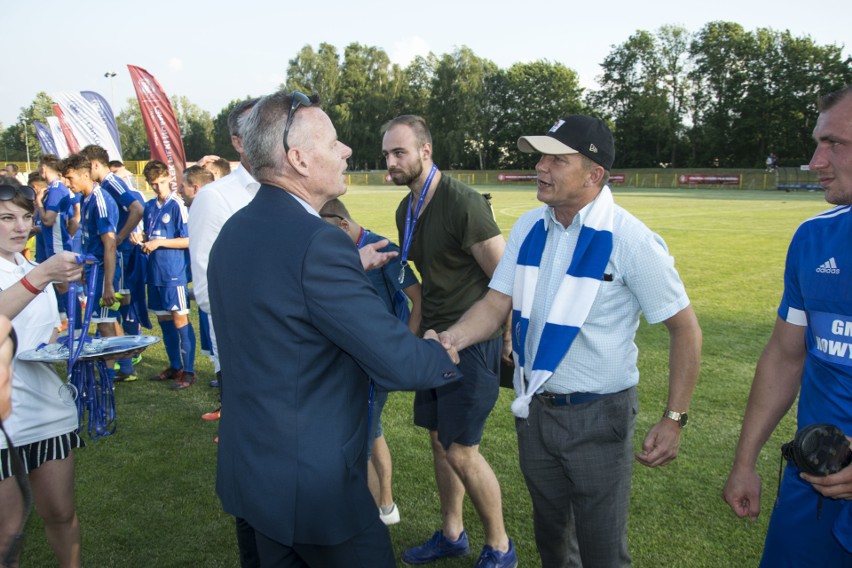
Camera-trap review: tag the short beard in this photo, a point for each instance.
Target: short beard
(408, 177)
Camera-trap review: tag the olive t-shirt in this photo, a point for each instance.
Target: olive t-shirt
(455, 219)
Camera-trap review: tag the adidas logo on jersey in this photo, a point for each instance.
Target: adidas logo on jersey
(828, 267)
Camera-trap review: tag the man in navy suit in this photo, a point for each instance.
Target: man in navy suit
(301, 330)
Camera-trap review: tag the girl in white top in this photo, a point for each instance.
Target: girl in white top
(41, 426)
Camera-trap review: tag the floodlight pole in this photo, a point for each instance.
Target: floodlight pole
(26, 140)
(109, 75)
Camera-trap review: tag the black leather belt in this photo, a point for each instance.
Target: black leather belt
(554, 399)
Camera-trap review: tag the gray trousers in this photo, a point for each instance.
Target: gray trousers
(577, 461)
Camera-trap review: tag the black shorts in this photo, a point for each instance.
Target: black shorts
(458, 411)
(35, 454)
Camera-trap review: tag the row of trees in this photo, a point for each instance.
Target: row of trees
(721, 96)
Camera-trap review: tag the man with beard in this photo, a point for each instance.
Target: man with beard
(448, 230)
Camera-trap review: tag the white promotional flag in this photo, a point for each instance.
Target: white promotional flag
(86, 122)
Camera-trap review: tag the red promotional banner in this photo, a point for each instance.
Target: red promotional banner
(161, 125)
(708, 179)
(616, 178)
(73, 145)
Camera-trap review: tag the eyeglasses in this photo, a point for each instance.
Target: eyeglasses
(297, 99)
(331, 216)
(7, 192)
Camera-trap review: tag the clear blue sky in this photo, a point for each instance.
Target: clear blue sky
(215, 51)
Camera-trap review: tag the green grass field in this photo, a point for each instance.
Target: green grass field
(145, 495)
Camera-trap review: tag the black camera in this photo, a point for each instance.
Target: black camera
(818, 449)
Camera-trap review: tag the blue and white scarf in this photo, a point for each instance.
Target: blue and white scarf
(573, 299)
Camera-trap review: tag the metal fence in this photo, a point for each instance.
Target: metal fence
(645, 178)
(789, 179)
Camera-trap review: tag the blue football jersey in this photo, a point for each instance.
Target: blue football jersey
(169, 220)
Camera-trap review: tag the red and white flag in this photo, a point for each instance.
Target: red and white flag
(59, 140)
(161, 125)
(73, 145)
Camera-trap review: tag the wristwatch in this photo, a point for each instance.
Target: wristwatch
(679, 417)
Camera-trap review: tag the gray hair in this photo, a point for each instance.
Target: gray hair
(262, 132)
(588, 164)
(235, 117)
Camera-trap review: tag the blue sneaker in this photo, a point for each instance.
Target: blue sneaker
(491, 558)
(437, 547)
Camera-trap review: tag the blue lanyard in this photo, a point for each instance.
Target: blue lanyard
(362, 237)
(74, 351)
(411, 224)
(91, 395)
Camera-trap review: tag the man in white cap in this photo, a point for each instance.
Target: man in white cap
(576, 274)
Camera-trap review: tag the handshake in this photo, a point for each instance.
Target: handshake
(447, 340)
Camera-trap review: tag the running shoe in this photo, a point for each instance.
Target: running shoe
(185, 381)
(436, 548)
(491, 558)
(211, 416)
(169, 374)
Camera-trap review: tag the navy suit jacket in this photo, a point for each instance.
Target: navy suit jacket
(300, 328)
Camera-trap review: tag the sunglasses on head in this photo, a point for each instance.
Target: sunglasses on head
(297, 99)
(7, 192)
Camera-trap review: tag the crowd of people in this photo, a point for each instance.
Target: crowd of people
(309, 343)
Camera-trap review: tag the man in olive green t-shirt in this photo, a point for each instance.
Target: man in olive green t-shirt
(448, 231)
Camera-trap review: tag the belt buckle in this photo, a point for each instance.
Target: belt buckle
(554, 399)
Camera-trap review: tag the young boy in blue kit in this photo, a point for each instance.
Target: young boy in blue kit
(166, 240)
(130, 204)
(98, 218)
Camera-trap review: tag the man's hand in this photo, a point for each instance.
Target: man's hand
(661, 445)
(837, 485)
(742, 492)
(108, 296)
(448, 342)
(39, 195)
(210, 158)
(507, 349)
(371, 258)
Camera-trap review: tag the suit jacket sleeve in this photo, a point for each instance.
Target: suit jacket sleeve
(359, 323)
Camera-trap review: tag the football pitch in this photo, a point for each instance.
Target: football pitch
(146, 495)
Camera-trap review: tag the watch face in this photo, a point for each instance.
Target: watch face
(683, 419)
